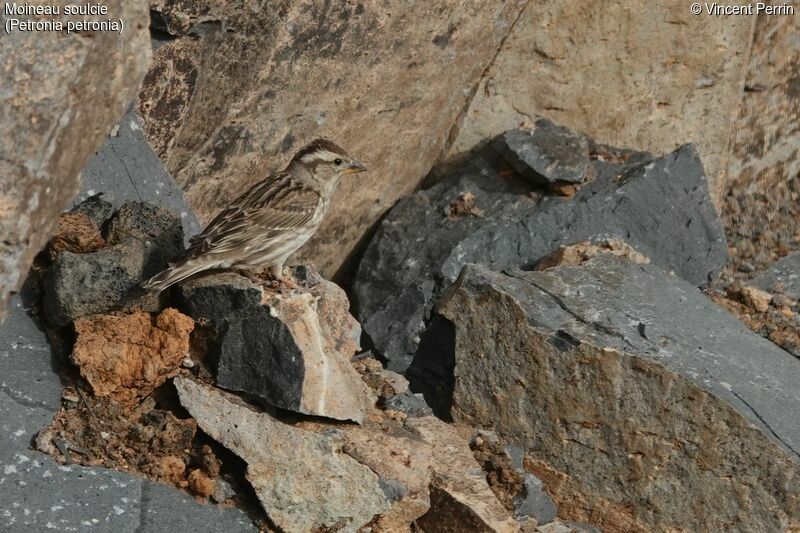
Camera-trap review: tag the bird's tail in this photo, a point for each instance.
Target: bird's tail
(175, 274)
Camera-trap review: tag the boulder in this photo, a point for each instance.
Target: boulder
(292, 349)
(636, 399)
(384, 81)
(62, 94)
(547, 154)
(142, 237)
(661, 207)
(126, 356)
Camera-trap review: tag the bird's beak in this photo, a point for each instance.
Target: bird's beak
(354, 168)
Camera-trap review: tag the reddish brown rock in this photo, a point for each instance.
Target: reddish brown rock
(76, 233)
(200, 484)
(126, 356)
(575, 254)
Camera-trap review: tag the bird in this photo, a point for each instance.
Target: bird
(261, 228)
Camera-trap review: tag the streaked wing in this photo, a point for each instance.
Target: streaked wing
(268, 209)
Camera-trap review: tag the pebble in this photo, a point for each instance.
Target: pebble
(187, 362)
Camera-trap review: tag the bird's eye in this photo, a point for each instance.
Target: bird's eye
(337, 161)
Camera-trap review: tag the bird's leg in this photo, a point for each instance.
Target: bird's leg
(277, 273)
(251, 276)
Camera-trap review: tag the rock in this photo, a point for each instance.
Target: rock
(784, 275)
(62, 93)
(222, 491)
(127, 356)
(535, 502)
(77, 233)
(302, 479)
(756, 298)
(201, 484)
(625, 78)
(547, 153)
(98, 207)
(79, 285)
(143, 238)
(291, 349)
(148, 222)
(408, 403)
(639, 391)
(419, 63)
(659, 207)
(578, 253)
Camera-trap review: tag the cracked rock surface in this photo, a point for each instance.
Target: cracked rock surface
(637, 400)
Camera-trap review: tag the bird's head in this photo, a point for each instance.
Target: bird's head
(325, 161)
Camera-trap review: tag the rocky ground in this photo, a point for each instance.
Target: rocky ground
(554, 340)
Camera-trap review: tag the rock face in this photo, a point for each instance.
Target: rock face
(383, 81)
(293, 350)
(635, 398)
(764, 136)
(661, 207)
(627, 75)
(142, 238)
(127, 356)
(302, 479)
(62, 93)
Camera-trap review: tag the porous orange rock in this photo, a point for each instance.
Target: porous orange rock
(126, 356)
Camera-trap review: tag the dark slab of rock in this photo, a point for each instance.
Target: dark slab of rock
(644, 399)
(783, 276)
(661, 207)
(547, 153)
(291, 349)
(143, 239)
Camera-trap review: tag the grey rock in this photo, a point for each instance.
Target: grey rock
(292, 350)
(547, 153)
(143, 238)
(98, 207)
(785, 272)
(166, 510)
(660, 207)
(222, 491)
(83, 284)
(127, 168)
(61, 94)
(534, 502)
(145, 221)
(302, 479)
(27, 363)
(636, 380)
(408, 403)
